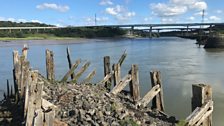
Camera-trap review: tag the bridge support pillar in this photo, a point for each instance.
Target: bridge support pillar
(150, 32)
(210, 29)
(10, 30)
(187, 30)
(132, 31)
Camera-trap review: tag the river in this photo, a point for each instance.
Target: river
(180, 61)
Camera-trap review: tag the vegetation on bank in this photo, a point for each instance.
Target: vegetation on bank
(69, 32)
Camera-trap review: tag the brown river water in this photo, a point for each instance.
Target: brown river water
(180, 61)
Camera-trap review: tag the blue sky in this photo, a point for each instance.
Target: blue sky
(82, 12)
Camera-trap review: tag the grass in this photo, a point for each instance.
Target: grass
(181, 123)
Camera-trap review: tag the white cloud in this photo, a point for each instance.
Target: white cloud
(199, 5)
(168, 20)
(91, 21)
(214, 19)
(53, 6)
(191, 18)
(164, 10)
(11, 19)
(21, 20)
(200, 13)
(111, 11)
(219, 11)
(120, 12)
(114, 10)
(36, 21)
(106, 2)
(177, 7)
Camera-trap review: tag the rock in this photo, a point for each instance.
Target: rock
(107, 113)
(72, 112)
(115, 123)
(59, 123)
(91, 112)
(92, 105)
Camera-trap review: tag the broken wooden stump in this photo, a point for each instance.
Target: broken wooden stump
(201, 94)
(81, 71)
(8, 94)
(134, 83)
(200, 115)
(107, 70)
(34, 99)
(24, 50)
(121, 85)
(157, 102)
(149, 96)
(71, 71)
(117, 73)
(89, 77)
(69, 61)
(106, 78)
(50, 65)
(122, 58)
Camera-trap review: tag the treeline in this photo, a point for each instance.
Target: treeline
(22, 24)
(89, 32)
(82, 32)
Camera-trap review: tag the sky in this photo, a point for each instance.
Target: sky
(108, 12)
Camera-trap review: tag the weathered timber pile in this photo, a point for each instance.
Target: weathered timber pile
(89, 104)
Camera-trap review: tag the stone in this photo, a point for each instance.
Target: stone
(72, 112)
(59, 123)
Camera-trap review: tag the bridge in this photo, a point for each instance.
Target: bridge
(132, 27)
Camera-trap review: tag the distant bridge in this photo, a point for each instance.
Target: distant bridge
(150, 27)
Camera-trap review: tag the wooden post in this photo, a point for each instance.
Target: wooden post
(107, 71)
(15, 57)
(33, 98)
(49, 112)
(149, 96)
(11, 92)
(16, 73)
(201, 93)
(69, 61)
(21, 76)
(134, 84)
(119, 87)
(121, 60)
(200, 114)
(70, 72)
(8, 89)
(24, 77)
(157, 102)
(117, 74)
(24, 50)
(89, 77)
(50, 65)
(81, 71)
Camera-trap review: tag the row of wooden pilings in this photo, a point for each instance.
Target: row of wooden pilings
(202, 104)
(28, 86)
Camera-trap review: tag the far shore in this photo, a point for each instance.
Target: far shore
(9, 41)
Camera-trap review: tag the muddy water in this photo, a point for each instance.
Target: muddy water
(180, 61)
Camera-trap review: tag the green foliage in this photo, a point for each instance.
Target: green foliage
(181, 123)
(127, 122)
(89, 32)
(82, 32)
